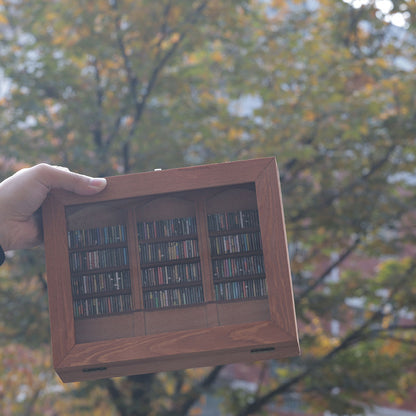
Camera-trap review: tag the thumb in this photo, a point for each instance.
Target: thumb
(55, 177)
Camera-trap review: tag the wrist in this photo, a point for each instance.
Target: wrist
(4, 229)
(4, 218)
(4, 239)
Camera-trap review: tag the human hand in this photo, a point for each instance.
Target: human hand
(22, 194)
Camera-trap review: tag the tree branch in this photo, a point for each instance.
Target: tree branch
(116, 396)
(97, 127)
(329, 269)
(131, 77)
(398, 339)
(183, 406)
(357, 335)
(348, 188)
(31, 403)
(140, 104)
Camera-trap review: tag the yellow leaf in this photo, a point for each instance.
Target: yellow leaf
(191, 59)
(170, 387)
(309, 115)
(234, 133)
(175, 37)
(195, 411)
(390, 348)
(217, 56)
(51, 16)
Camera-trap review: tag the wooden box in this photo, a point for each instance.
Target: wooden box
(169, 269)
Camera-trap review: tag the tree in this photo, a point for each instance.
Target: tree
(114, 86)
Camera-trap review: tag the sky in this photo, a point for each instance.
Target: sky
(385, 7)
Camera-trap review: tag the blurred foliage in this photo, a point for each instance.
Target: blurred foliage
(110, 87)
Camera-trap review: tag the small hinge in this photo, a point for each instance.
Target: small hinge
(92, 369)
(265, 349)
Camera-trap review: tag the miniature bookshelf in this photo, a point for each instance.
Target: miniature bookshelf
(169, 269)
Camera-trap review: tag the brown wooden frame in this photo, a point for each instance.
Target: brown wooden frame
(275, 337)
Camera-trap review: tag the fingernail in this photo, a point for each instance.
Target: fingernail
(97, 183)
